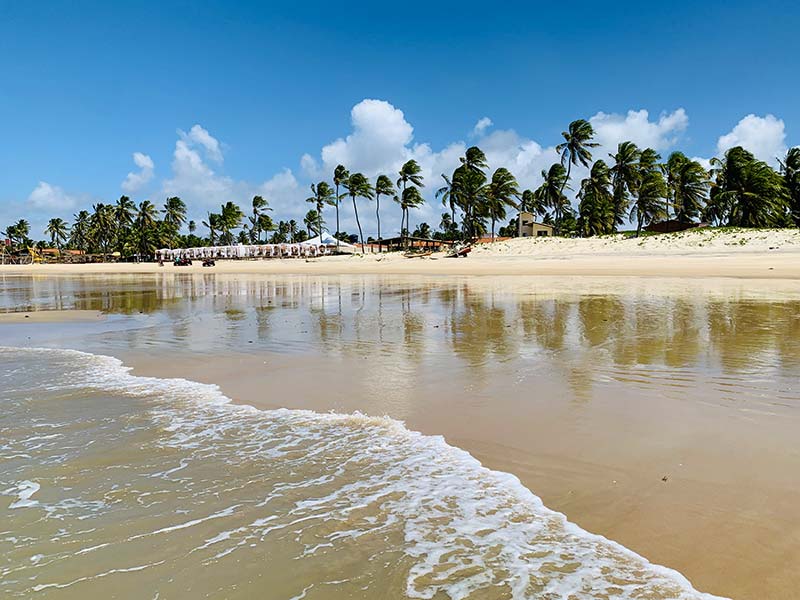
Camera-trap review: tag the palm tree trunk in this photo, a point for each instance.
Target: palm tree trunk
(360, 234)
(337, 217)
(378, 215)
(493, 229)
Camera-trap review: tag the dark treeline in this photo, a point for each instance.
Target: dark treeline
(633, 185)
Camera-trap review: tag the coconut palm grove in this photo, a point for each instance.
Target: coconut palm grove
(624, 191)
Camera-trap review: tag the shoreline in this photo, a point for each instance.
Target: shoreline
(740, 265)
(700, 253)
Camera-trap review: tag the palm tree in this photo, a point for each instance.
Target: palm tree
(79, 236)
(469, 179)
(500, 193)
(231, 218)
(174, 212)
(212, 222)
(747, 192)
(596, 208)
(265, 224)
(18, 232)
(259, 206)
(790, 167)
(313, 223)
(624, 178)
(449, 195)
(174, 217)
(124, 210)
(530, 203)
(551, 193)
(409, 174)
(102, 227)
(383, 187)
(358, 186)
(192, 226)
(57, 230)
(651, 193)
(322, 194)
(410, 198)
(147, 228)
(575, 147)
(687, 185)
(340, 175)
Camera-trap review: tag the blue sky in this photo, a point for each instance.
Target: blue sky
(224, 99)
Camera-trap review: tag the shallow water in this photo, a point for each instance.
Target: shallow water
(129, 487)
(122, 486)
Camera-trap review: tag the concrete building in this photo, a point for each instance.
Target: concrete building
(527, 226)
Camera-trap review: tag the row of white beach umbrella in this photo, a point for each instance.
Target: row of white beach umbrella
(245, 251)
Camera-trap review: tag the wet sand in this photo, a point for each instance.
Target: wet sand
(726, 516)
(677, 440)
(51, 316)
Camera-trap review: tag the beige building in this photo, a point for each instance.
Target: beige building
(528, 227)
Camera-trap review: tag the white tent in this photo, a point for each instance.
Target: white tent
(326, 239)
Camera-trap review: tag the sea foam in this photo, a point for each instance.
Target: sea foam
(465, 527)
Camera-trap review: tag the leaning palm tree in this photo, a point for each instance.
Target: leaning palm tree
(322, 194)
(410, 198)
(500, 192)
(313, 223)
(259, 205)
(596, 207)
(551, 193)
(212, 222)
(174, 217)
(358, 186)
(624, 178)
(409, 175)
(687, 185)
(57, 230)
(340, 175)
(449, 195)
(469, 179)
(231, 218)
(651, 191)
(575, 147)
(748, 192)
(383, 187)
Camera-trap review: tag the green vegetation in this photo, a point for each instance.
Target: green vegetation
(632, 184)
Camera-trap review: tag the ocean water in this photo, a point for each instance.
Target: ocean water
(118, 486)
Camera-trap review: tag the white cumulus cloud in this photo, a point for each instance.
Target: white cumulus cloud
(198, 135)
(636, 127)
(481, 126)
(50, 197)
(765, 137)
(379, 142)
(204, 188)
(135, 181)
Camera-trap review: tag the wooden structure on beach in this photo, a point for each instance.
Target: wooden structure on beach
(408, 243)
